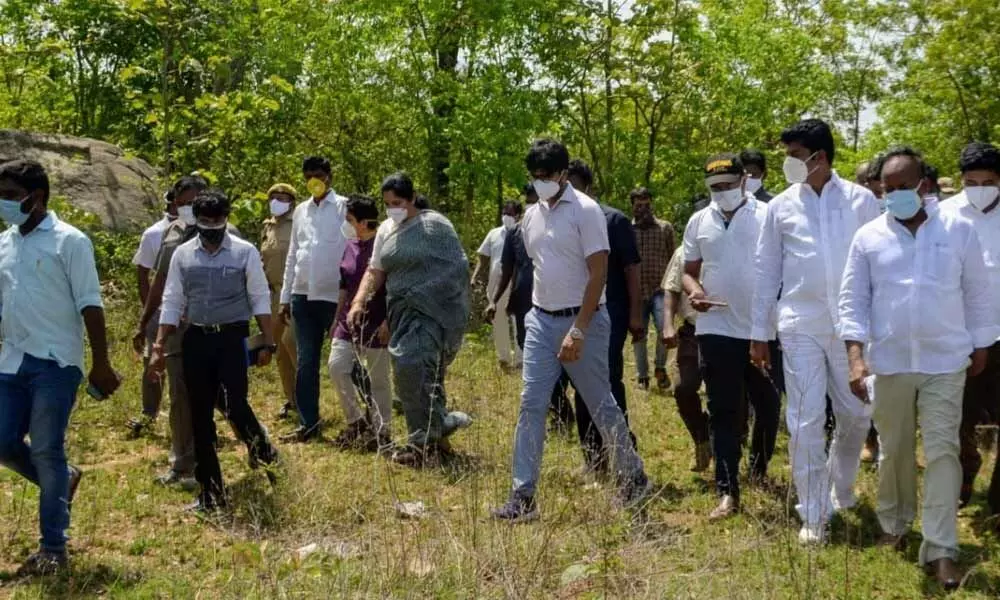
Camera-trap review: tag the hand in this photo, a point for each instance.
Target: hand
(264, 357)
(355, 316)
(637, 328)
(157, 363)
(139, 342)
(571, 349)
(979, 359)
(104, 378)
(696, 301)
(670, 336)
(858, 374)
(285, 313)
(760, 355)
(490, 311)
(383, 333)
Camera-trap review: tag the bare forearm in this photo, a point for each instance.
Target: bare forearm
(372, 280)
(266, 328)
(505, 276)
(153, 300)
(142, 275)
(592, 293)
(855, 350)
(691, 285)
(341, 305)
(670, 308)
(93, 320)
(163, 333)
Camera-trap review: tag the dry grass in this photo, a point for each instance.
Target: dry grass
(131, 538)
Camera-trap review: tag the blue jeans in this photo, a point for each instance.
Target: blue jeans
(313, 319)
(651, 307)
(37, 401)
(589, 374)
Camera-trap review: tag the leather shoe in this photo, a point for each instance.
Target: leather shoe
(728, 506)
(945, 571)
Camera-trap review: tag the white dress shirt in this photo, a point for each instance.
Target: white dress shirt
(312, 268)
(801, 254)
(149, 244)
(559, 239)
(922, 301)
(727, 267)
(46, 279)
(492, 248)
(988, 227)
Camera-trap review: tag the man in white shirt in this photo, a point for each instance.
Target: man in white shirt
(979, 202)
(719, 244)
(490, 255)
(566, 236)
(312, 285)
(144, 261)
(912, 262)
(49, 292)
(801, 254)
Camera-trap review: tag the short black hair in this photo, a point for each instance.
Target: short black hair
(169, 196)
(420, 201)
(578, 168)
(211, 203)
(547, 155)
(28, 174)
(517, 206)
(190, 182)
(528, 190)
(931, 175)
(400, 184)
(640, 193)
(316, 163)
(363, 208)
(979, 156)
(897, 151)
(752, 156)
(814, 134)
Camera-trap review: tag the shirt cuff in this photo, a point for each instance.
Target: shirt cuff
(170, 316)
(849, 331)
(762, 334)
(984, 337)
(284, 297)
(262, 307)
(88, 301)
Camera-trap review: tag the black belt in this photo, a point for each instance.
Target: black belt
(566, 312)
(219, 328)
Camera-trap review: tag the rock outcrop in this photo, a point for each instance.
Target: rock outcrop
(95, 176)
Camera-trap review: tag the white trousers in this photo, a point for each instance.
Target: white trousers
(816, 366)
(376, 360)
(937, 401)
(502, 325)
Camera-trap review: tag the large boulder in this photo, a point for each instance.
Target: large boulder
(92, 175)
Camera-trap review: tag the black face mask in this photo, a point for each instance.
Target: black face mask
(213, 237)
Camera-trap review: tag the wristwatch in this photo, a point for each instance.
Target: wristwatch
(576, 333)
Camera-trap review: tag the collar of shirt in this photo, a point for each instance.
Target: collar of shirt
(835, 184)
(568, 195)
(328, 198)
(48, 223)
(749, 203)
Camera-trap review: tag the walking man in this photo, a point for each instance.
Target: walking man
(801, 253)
(566, 236)
(911, 262)
(311, 286)
(719, 278)
(655, 239)
(216, 283)
(276, 239)
(49, 292)
(490, 261)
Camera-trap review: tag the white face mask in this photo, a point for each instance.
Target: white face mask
(797, 170)
(186, 215)
(508, 222)
(754, 184)
(279, 208)
(545, 189)
(348, 230)
(981, 196)
(398, 215)
(728, 200)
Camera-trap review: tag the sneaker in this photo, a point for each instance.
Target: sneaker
(662, 380)
(137, 425)
(812, 535)
(43, 563)
(287, 411)
(644, 383)
(301, 434)
(173, 478)
(354, 436)
(516, 510)
(75, 475)
(702, 457)
(454, 421)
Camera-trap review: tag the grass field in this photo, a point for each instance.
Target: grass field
(132, 539)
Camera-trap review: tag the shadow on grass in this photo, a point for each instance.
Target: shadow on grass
(255, 504)
(84, 579)
(864, 533)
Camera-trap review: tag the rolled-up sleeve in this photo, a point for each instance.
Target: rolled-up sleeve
(82, 270)
(172, 307)
(593, 230)
(673, 278)
(257, 290)
(768, 277)
(977, 295)
(855, 302)
(691, 250)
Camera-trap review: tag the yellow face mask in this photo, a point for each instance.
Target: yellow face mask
(316, 187)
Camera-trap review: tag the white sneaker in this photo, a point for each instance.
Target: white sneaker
(812, 535)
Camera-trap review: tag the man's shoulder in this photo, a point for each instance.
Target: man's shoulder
(156, 228)
(68, 232)
(877, 227)
(237, 243)
(614, 215)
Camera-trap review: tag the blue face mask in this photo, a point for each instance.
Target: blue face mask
(10, 211)
(903, 204)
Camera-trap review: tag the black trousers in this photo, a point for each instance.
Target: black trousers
(687, 386)
(729, 378)
(559, 405)
(594, 451)
(979, 406)
(215, 367)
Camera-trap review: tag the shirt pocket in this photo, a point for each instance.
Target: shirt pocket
(943, 266)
